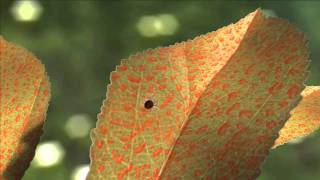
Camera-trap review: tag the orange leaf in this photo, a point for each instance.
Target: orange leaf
(24, 96)
(208, 108)
(305, 118)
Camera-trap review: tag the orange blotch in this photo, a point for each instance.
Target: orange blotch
(139, 169)
(155, 173)
(127, 107)
(233, 107)
(142, 68)
(126, 138)
(123, 87)
(151, 89)
(149, 78)
(249, 69)
(162, 87)
(148, 123)
(115, 76)
(36, 92)
(122, 68)
(178, 87)
(178, 105)
(139, 149)
(223, 128)
(293, 91)
(157, 152)
(116, 157)
(275, 87)
(18, 118)
(283, 104)
(126, 146)
(290, 59)
(134, 79)
(269, 112)
(197, 173)
(99, 143)
(245, 114)
(271, 124)
(167, 101)
(202, 129)
(151, 59)
(242, 81)
(233, 95)
(100, 169)
(124, 171)
(169, 113)
(225, 86)
(161, 67)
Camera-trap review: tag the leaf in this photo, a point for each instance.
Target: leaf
(24, 96)
(219, 102)
(305, 118)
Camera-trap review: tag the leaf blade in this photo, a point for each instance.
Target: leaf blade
(241, 129)
(25, 92)
(305, 118)
(181, 80)
(174, 102)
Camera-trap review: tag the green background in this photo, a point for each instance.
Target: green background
(81, 42)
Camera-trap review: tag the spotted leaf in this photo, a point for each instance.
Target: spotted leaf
(305, 118)
(24, 96)
(208, 108)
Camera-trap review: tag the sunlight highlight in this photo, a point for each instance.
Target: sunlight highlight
(152, 26)
(48, 154)
(78, 126)
(26, 10)
(80, 173)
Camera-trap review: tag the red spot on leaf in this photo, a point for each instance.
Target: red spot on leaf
(223, 128)
(100, 169)
(134, 79)
(116, 157)
(167, 101)
(178, 87)
(275, 87)
(124, 171)
(233, 95)
(245, 114)
(140, 148)
(99, 143)
(123, 68)
(293, 90)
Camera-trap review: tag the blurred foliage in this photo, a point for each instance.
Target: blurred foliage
(80, 42)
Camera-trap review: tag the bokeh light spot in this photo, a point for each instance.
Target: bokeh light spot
(48, 154)
(80, 173)
(162, 24)
(78, 126)
(169, 24)
(269, 13)
(26, 10)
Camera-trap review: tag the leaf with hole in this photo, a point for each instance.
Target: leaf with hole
(207, 108)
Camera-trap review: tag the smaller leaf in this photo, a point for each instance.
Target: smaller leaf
(305, 118)
(24, 96)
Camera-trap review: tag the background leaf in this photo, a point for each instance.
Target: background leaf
(305, 118)
(219, 102)
(24, 96)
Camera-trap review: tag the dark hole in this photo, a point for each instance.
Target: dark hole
(148, 104)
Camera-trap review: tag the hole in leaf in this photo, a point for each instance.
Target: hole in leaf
(148, 104)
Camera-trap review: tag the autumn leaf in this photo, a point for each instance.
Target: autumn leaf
(305, 118)
(208, 108)
(24, 96)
